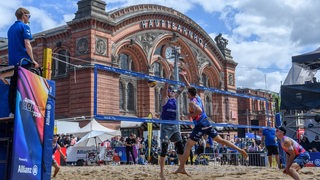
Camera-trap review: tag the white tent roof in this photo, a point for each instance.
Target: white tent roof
(95, 126)
(93, 138)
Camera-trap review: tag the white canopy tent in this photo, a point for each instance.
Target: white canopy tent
(95, 126)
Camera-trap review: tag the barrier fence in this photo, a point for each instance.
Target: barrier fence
(219, 159)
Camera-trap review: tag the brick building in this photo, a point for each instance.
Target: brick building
(138, 38)
(254, 111)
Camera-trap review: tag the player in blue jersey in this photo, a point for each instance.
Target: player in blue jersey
(170, 132)
(202, 126)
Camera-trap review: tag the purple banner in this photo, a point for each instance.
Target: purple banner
(29, 122)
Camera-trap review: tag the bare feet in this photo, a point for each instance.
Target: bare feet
(244, 154)
(181, 171)
(162, 176)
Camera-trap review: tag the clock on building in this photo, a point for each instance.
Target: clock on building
(169, 54)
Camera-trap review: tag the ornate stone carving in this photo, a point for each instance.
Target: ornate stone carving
(146, 40)
(82, 46)
(101, 46)
(221, 42)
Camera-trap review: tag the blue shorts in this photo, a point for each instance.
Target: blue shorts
(302, 159)
(203, 127)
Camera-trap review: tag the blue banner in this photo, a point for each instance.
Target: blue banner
(48, 132)
(278, 120)
(4, 105)
(29, 125)
(121, 152)
(314, 160)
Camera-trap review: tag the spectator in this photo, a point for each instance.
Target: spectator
(305, 143)
(56, 147)
(316, 143)
(130, 143)
(270, 140)
(172, 157)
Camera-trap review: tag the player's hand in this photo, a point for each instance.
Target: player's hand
(36, 65)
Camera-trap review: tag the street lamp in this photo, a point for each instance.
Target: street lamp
(176, 53)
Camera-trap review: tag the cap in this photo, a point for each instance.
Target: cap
(281, 128)
(171, 89)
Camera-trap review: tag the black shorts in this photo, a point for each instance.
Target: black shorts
(272, 150)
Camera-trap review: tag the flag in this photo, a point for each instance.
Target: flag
(149, 135)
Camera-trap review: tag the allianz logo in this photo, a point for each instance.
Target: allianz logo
(28, 170)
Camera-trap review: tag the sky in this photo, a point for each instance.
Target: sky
(263, 35)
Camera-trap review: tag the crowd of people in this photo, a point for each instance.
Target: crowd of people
(313, 146)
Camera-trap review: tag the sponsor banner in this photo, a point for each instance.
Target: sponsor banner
(121, 152)
(75, 153)
(314, 160)
(48, 132)
(29, 122)
(4, 105)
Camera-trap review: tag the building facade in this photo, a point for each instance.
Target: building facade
(257, 112)
(140, 38)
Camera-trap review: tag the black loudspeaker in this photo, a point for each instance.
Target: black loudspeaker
(255, 122)
(317, 118)
(241, 132)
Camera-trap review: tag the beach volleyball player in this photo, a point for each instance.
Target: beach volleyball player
(201, 126)
(169, 131)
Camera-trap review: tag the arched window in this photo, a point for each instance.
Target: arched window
(185, 103)
(121, 97)
(205, 80)
(124, 62)
(208, 106)
(130, 97)
(157, 69)
(127, 84)
(60, 68)
(231, 79)
(160, 100)
(262, 107)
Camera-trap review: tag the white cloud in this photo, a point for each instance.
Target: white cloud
(263, 35)
(7, 9)
(41, 20)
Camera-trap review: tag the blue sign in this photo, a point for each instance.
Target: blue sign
(314, 159)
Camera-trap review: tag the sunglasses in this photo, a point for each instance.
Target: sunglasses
(28, 15)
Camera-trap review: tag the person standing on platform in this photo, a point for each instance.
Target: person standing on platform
(19, 36)
(19, 47)
(270, 140)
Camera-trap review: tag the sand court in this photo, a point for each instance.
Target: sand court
(197, 172)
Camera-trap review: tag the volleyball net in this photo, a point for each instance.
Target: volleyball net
(105, 76)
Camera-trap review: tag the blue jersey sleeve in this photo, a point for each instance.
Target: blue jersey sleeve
(27, 32)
